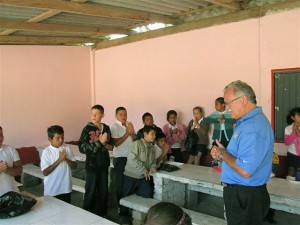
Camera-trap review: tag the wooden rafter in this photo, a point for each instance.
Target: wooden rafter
(44, 40)
(92, 10)
(7, 24)
(233, 5)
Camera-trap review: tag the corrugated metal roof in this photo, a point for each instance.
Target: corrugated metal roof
(36, 22)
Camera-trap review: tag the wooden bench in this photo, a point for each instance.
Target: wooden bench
(140, 207)
(78, 184)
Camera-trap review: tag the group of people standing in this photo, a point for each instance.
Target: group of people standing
(243, 142)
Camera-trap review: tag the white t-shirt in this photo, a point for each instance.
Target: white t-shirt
(60, 180)
(117, 131)
(7, 182)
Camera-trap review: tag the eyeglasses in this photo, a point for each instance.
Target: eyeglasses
(231, 101)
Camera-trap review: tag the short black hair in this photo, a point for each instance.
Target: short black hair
(121, 108)
(159, 136)
(55, 129)
(147, 129)
(293, 112)
(220, 100)
(171, 112)
(145, 115)
(98, 107)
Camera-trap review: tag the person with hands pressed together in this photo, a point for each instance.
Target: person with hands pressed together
(57, 161)
(95, 141)
(10, 166)
(247, 161)
(141, 163)
(123, 134)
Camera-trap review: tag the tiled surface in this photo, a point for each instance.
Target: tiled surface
(51, 211)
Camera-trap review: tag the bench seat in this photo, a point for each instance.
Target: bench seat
(78, 184)
(142, 205)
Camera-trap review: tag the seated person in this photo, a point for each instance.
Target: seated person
(10, 166)
(167, 213)
(149, 121)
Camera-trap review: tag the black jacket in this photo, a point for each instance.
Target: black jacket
(97, 155)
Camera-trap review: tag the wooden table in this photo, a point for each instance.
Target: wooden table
(181, 187)
(51, 211)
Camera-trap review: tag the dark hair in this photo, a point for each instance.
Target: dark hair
(293, 112)
(98, 107)
(0, 127)
(147, 129)
(121, 108)
(55, 129)
(198, 108)
(166, 213)
(241, 88)
(159, 136)
(220, 100)
(171, 112)
(145, 115)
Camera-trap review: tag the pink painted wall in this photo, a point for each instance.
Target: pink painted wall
(43, 86)
(184, 70)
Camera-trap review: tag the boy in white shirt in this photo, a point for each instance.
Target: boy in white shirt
(56, 163)
(10, 166)
(123, 134)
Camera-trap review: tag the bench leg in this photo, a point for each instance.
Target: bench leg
(137, 217)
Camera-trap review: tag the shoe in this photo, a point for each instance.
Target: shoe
(290, 178)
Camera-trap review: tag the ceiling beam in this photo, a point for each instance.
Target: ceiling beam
(233, 5)
(212, 21)
(46, 27)
(91, 9)
(34, 40)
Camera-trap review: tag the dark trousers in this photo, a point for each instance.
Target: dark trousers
(246, 205)
(140, 187)
(96, 192)
(119, 168)
(176, 152)
(224, 142)
(64, 197)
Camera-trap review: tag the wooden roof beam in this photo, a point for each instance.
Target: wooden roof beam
(91, 9)
(233, 5)
(47, 27)
(37, 40)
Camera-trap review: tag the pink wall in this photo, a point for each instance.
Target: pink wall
(43, 86)
(188, 69)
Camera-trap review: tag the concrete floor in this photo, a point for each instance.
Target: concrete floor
(207, 204)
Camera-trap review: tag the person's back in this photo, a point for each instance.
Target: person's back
(57, 162)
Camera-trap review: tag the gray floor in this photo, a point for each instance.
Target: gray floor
(207, 204)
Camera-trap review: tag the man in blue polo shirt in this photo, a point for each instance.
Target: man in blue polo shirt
(247, 161)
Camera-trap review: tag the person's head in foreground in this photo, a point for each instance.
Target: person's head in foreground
(165, 213)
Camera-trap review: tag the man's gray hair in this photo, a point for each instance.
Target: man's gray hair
(241, 88)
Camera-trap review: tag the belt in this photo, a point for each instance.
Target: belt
(238, 185)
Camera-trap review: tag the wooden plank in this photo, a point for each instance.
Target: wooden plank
(92, 10)
(218, 20)
(36, 40)
(9, 24)
(233, 5)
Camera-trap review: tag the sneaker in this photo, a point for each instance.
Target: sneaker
(290, 178)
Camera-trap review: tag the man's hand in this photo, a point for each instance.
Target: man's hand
(103, 138)
(147, 176)
(62, 155)
(216, 150)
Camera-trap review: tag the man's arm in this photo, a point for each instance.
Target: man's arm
(15, 170)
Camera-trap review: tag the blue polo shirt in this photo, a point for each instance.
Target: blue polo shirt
(252, 145)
